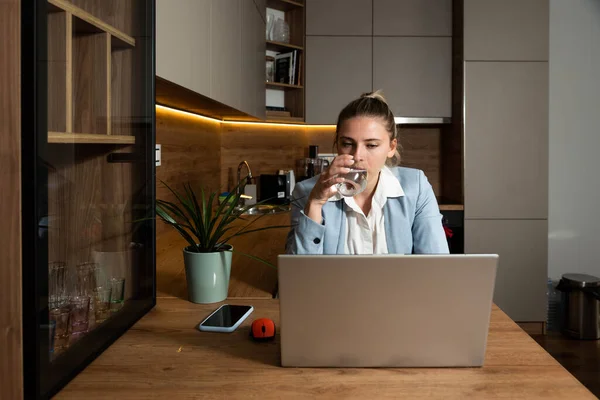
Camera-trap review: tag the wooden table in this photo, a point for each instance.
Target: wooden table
(164, 356)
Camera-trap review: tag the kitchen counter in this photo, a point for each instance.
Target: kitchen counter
(164, 355)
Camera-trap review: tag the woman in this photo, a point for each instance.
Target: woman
(397, 213)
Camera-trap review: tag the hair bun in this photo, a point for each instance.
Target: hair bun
(375, 95)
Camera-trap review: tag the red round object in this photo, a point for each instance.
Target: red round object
(262, 329)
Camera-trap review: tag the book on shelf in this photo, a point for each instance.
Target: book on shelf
(287, 67)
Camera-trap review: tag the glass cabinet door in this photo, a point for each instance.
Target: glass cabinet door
(89, 268)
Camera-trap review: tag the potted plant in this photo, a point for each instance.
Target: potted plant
(208, 227)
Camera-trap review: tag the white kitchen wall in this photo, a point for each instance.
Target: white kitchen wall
(574, 125)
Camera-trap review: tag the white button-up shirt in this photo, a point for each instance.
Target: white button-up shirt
(365, 234)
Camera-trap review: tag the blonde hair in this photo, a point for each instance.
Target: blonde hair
(372, 105)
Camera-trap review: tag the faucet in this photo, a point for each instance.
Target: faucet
(239, 179)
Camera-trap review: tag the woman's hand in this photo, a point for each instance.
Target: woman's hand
(326, 186)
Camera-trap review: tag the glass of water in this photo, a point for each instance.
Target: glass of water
(354, 182)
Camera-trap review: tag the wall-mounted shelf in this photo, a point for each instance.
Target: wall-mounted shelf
(283, 86)
(293, 94)
(89, 138)
(88, 78)
(120, 38)
(280, 46)
(283, 5)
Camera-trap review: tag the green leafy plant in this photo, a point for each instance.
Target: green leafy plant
(206, 225)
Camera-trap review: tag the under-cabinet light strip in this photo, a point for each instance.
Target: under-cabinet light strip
(159, 106)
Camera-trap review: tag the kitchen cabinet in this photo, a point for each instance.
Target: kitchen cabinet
(415, 74)
(338, 70)
(211, 47)
(252, 61)
(200, 44)
(174, 41)
(522, 245)
(84, 127)
(225, 52)
(412, 17)
(261, 5)
(509, 30)
(506, 140)
(339, 17)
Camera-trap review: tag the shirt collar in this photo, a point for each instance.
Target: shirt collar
(388, 186)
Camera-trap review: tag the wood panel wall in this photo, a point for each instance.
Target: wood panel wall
(195, 149)
(421, 149)
(11, 363)
(270, 148)
(267, 149)
(191, 152)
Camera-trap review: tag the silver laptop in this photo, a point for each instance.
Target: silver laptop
(385, 310)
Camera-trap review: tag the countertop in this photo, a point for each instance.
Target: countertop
(164, 355)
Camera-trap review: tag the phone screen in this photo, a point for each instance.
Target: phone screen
(226, 316)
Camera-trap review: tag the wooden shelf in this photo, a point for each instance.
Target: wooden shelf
(120, 39)
(89, 138)
(283, 5)
(279, 46)
(284, 86)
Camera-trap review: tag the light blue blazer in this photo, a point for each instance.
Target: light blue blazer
(413, 223)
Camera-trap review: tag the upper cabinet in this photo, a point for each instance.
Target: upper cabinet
(199, 43)
(339, 17)
(215, 48)
(412, 17)
(403, 47)
(225, 52)
(261, 5)
(252, 100)
(330, 85)
(414, 74)
(488, 39)
(174, 37)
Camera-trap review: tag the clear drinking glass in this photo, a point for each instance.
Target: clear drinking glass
(86, 278)
(354, 182)
(117, 295)
(57, 289)
(60, 317)
(102, 304)
(79, 318)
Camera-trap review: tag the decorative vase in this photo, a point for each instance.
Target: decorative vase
(207, 275)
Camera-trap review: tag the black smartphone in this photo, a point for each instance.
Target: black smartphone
(225, 318)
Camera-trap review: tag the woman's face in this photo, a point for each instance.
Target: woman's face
(368, 141)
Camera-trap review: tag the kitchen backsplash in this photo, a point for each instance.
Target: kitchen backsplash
(208, 152)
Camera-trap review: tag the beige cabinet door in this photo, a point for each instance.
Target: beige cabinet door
(173, 41)
(339, 17)
(506, 140)
(521, 278)
(200, 42)
(261, 5)
(412, 17)
(509, 30)
(415, 74)
(338, 70)
(226, 50)
(252, 99)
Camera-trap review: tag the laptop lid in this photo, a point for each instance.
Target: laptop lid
(385, 310)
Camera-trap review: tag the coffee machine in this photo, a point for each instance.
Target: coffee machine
(276, 188)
